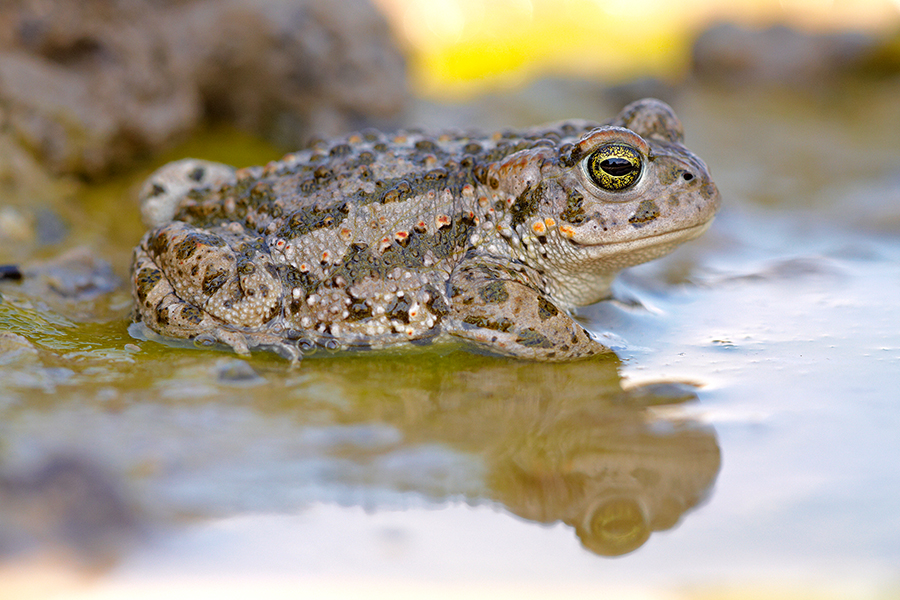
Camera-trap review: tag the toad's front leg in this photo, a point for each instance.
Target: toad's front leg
(500, 311)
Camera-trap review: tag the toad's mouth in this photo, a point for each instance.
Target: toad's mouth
(666, 239)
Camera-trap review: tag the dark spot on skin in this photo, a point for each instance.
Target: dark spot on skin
(192, 242)
(158, 244)
(197, 174)
(251, 247)
(191, 314)
(480, 172)
(436, 303)
(307, 186)
(359, 310)
(501, 324)
(646, 212)
(426, 146)
(162, 316)
(568, 155)
(526, 204)
(532, 339)
(574, 212)
(261, 194)
(364, 174)
(472, 148)
(546, 309)
(494, 292)
(291, 278)
(157, 190)
(213, 282)
(341, 150)
(245, 266)
(398, 193)
(436, 174)
(145, 281)
(308, 219)
(358, 263)
(398, 309)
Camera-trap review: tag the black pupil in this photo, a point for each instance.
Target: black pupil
(617, 167)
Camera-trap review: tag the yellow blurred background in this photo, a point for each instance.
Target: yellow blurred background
(461, 47)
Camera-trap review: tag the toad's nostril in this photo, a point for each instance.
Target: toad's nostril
(687, 176)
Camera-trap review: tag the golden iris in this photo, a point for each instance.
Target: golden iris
(614, 167)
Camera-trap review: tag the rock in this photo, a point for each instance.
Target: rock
(235, 371)
(77, 275)
(77, 284)
(88, 86)
(291, 68)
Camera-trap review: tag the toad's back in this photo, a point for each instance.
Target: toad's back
(375, 240)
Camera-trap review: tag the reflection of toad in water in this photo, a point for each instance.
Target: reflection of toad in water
(560, 442)
(550, 442)
(613, 473)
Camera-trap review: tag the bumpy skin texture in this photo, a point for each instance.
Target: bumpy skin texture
(376, 240)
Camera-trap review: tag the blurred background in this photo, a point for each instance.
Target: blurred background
(458, 48)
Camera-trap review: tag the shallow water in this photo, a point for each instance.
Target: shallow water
(742, 443)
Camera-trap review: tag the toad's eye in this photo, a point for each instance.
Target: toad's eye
(614, 167)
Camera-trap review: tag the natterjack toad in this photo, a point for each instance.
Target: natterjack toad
(375, 240)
